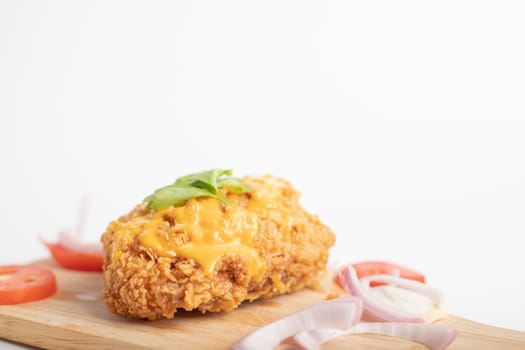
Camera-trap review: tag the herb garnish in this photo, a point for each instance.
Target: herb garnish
(203, 184)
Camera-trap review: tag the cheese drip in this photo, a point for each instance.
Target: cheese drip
(211, 229)
(213, 233)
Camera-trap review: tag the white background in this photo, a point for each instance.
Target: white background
(402, 123)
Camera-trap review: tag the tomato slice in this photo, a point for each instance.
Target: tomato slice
(369, 268)
(22, 284)
(74, 259)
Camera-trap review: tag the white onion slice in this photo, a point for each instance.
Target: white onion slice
(405, 302)
(339, 314)
(433, 336)
(410, 301)
(416, 286)
(375, 307)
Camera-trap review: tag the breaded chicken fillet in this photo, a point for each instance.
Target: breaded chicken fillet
(212, 256)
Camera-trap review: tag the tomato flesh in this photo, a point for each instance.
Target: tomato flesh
(73, 259)
(22, 284)
(369, 268)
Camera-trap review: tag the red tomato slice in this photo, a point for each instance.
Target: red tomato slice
(369, 268)
(21, 284)
(73, 259)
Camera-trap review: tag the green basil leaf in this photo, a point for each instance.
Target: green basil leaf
(177, 195)
(234, 184)
(203, 184)
(205, 179)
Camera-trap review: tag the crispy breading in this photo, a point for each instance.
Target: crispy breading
(291, 247)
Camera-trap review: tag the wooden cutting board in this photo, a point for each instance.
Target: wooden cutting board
(77, 318)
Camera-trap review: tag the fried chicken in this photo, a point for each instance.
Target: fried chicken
(212, 256)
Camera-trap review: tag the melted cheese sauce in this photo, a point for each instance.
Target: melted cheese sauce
(213, 230)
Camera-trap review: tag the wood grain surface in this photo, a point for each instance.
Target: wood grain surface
(77, 318)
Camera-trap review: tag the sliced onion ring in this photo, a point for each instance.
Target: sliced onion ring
(410, 301)
(375, 307)
(433, 336)
(416, 286)
(339, 314)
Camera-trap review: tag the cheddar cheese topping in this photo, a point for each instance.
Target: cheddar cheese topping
(206, 229)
